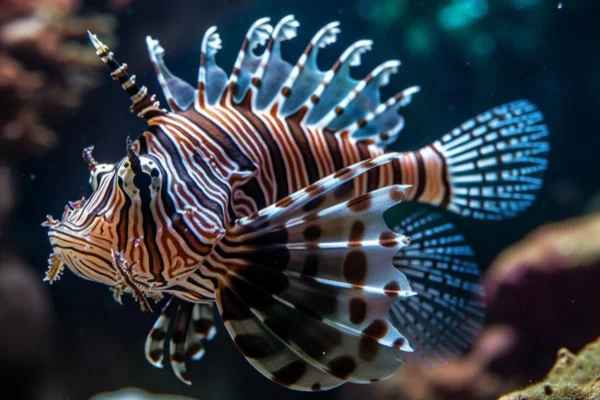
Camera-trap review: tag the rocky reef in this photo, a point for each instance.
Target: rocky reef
(571, 377)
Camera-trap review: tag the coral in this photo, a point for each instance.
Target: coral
(571, 377)
(44, 73)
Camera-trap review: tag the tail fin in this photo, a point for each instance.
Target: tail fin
(496, 161)
(448, 311)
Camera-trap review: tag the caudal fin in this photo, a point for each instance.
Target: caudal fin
(496, 161)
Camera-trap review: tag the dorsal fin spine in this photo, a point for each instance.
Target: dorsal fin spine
(144, 105)
(310, 53)
(278, 35)
(387, 67)
(253, 37)
(348, 56)
(156, 53)
(404, 97)
(207, 54)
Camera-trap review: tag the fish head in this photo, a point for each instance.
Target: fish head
(132, 233)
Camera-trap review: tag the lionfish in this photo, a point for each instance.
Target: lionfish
(263, 191)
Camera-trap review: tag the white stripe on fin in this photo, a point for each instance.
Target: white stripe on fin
(368, 127)
(247, 61)
(273, 70)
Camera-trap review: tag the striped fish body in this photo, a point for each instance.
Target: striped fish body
(263, 192)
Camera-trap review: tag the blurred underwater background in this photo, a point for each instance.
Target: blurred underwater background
(73, 341)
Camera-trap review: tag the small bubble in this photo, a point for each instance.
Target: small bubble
(32, 177)
(560, 5)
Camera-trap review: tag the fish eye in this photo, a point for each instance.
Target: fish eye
(97, 173)
(140, 177)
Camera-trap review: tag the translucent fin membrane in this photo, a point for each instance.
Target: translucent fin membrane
(306, 76)
(328, 99)
(273, 70)
(212, 80)
(448, 311)
(179, 94)
(337, 82)
(247, 61)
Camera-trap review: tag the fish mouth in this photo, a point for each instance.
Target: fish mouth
(61, 235)
(115, 272)
(86, 256)
(91, 259)
(57, 261)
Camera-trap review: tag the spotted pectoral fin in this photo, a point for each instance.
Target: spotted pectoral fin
(448, 311)
(260, 341)
(188, 327)
(304, 286)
